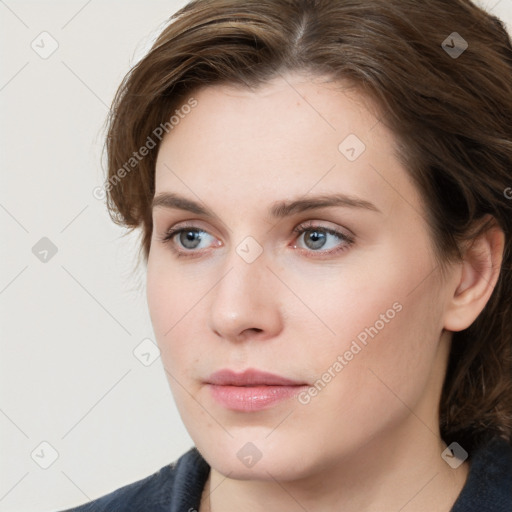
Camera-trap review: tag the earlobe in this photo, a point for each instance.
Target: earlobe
(477, 277)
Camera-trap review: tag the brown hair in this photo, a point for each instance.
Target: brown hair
(450, 112)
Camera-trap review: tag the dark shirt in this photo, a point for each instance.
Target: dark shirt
(177, 487)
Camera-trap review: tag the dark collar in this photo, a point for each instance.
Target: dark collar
(489, 484)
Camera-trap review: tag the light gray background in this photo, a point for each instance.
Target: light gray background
(68, 373)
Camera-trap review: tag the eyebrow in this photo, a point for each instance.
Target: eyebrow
(279, 209)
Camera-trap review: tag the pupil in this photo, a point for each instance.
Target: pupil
(317, 239)
(191, 236)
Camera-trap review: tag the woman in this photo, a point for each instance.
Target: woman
(323, 192)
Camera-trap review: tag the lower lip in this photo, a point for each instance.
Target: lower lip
(252, 398)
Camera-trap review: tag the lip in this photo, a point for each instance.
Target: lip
(251, 390)
(250, 377)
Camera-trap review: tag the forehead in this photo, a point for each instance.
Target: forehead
(319, 105)
(289, 136)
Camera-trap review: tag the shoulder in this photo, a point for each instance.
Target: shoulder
(170, 488)
(489, 484)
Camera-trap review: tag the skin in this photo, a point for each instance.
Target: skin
(369, 440)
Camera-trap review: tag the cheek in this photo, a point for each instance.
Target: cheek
(388, 343)
(385, 318)
(171, 293)
(168, 303)
(179, 296)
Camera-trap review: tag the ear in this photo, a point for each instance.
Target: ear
(476, 277)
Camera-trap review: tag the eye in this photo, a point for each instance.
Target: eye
(321, 240)
(186, 239)
(321, 237)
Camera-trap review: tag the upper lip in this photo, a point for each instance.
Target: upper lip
(249, 377)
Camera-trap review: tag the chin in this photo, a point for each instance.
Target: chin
(251, 454)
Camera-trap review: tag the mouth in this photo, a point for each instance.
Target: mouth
(251, 390)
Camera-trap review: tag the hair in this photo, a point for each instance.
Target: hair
(451, 115)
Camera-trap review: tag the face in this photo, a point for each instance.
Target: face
(294, 245)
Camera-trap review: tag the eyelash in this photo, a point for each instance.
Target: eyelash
(346, 240)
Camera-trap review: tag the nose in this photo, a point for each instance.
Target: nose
(245, 302)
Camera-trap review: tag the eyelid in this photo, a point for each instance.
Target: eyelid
(193, 225)
(312, 224)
